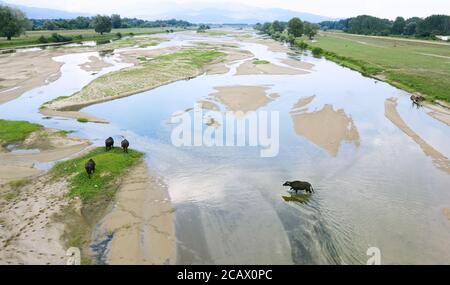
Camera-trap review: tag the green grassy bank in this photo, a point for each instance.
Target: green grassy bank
(96, 194)
(16, 131)
(415, 66)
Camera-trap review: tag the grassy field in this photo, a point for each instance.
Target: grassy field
(16, 131)
(415, 66)
(31, 37)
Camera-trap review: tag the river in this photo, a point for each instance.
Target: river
(374, 185)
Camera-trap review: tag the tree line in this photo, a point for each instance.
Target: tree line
(415, 26)
(14, 22)
(288, 31)
(117, 22)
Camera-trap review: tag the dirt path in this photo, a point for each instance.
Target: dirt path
(141, 222)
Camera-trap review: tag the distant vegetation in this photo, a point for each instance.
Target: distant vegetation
(415, 26)
(287, 32)
(13, 23)
(117, 22)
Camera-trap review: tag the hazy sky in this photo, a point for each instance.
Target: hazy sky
(330, 8)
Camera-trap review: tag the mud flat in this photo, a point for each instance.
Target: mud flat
(47, 145)
(243, 98)
(95, 64)
(29, 200)
(250, 68)
(141, 222)
(326, 128)
(438, 158)
(23, 71)
(28, 234)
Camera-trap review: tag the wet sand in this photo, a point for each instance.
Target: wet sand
(50, 146)
(141, 222)
(242, 98)
(24, 71)
(326, 128)
(71, 114)
(438, 158)
(249, 68)
(95, 64)
(439, 112)
(28, 233)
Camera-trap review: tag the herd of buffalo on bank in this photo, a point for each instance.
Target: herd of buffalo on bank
(109, 144)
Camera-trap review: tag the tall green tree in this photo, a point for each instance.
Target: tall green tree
(13, 22)
(102, 24)
(116, 21)
(399, 26)
(310, 29)
(295, 27)
(277, 26)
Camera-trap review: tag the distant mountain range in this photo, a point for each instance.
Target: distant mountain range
(238, 14)
(44, 13)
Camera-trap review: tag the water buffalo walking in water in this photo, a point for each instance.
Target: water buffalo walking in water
(90, 167)
(125, 144)
(299, 186)
(109, 143)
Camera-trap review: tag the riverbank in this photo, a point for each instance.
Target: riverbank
(417, 67)
(31, 38)
(29, 199)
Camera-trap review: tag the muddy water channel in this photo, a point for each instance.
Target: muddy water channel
(376, 183)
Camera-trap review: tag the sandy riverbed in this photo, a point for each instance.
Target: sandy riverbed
(243, 98)
(441, 161)
(141, 222)
(28, 233)
(23, 71)
(326, 128)
(47, 145)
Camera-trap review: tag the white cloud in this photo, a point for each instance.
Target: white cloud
(331, 8)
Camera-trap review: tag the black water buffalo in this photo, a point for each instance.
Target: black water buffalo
(109, 143)
(125, 144)
(90, 167)
(299, 186)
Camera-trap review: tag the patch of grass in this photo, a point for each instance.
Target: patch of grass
(9, 196)
(19, 183)
(260, 61)
(198, 57)
(16, 131)
(96, 193)
(82, 120)
(109, 166)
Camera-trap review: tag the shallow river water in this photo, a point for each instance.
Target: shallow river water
(374, 186)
